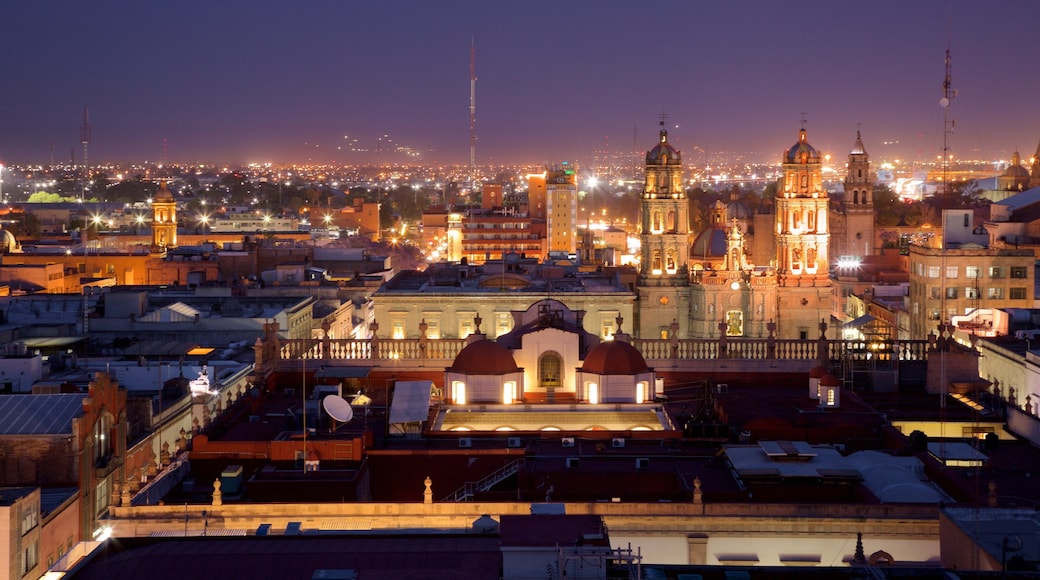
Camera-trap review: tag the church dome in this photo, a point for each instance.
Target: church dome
(711, 243)
(614, 357)
(8, 243)
(736, 210)
(164, 194)
(484, 357)
(802, 151)
(829, 381)
(1015, 176)
(663, 153)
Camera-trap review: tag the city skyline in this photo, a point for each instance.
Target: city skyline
(389, 83)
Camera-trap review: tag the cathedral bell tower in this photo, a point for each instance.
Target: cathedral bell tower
(802, 241)
(665, 219)
(859, 202)
(164, 219)
(665, 237)
(802, 234)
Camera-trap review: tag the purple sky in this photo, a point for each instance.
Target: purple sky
(284, 81)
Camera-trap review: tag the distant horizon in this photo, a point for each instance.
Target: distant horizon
(338, 83)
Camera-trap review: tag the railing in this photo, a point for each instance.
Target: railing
(652, 349)
(471, 488)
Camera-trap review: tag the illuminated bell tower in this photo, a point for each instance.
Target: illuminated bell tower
(801, 218)
(802, 239)
(164, 219)
(665, 219)
(859, 202)
(665, 245)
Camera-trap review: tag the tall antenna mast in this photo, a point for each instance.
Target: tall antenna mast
(472, 114)
(84, 138)
(948, 125)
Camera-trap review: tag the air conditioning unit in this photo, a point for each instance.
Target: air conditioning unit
(617, 442)
(465, 442)
(642, 463)
(567, 441)
(722, 388)
(572, 463)
(514, 442)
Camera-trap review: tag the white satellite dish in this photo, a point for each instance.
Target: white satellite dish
(338, 408)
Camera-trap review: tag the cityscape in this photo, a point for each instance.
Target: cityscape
(452, 290)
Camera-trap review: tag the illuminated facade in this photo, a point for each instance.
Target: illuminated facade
(665, 244)
(966, 277)
(164, 220)
(802, 243)
(561, 209)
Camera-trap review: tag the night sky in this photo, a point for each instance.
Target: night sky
(285, 81)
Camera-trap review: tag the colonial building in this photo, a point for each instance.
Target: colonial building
(852, 222)
(664, 277)
(444, 300)
(164, 220)
(712, 286)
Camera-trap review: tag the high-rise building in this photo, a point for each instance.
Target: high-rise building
(561, 209)
(491, 196)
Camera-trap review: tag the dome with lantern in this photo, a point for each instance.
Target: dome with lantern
(663, 153)
(801, 152)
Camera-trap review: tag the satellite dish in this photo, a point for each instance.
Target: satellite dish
(338, 408)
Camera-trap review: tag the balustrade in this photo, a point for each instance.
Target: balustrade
(651, 349)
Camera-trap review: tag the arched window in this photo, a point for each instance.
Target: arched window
(670, 224)
(549, 367)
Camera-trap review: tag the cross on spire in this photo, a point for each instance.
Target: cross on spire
(804, 120)
(663, 118)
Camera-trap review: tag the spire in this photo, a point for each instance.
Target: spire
(857, 147)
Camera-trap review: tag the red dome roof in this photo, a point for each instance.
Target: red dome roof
(484, 357)
(830, 381)
(614, 357)
(817, 372)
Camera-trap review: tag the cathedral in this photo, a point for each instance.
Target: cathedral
(711, 284)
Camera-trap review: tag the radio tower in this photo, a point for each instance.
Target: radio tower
(84, 138)
(948, 126)
(472, 115)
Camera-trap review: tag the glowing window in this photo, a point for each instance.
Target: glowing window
(640, 392)
(458, 392)
(593, 393)
(509, 392)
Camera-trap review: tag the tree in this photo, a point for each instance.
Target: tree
(26, 226)
(887, 207)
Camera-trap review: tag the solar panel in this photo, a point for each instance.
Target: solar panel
(39, 414)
